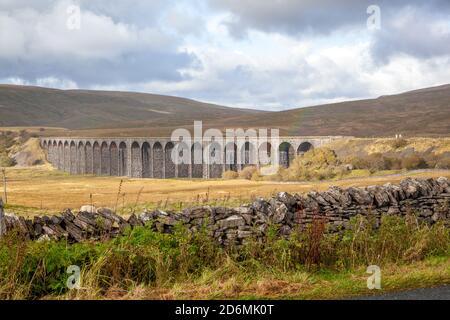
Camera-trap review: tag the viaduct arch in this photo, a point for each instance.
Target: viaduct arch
(152, 157)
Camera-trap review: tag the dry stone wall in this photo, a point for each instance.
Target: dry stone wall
(428, 199)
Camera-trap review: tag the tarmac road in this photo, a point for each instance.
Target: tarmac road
(436, 293)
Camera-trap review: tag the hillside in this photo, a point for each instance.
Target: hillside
(81, 109)
(419, 112)
(424, 112)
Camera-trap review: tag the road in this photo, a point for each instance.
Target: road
(437, 293)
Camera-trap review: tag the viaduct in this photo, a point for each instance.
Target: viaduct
(151, 157)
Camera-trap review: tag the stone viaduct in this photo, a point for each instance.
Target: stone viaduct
(151, 157)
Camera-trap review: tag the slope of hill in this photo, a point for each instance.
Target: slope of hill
(79, 109)
(423, 112)
(419, 112)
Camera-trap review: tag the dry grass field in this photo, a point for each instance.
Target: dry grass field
(365, 146)
(41, 189)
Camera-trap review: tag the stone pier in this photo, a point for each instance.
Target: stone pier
(152, 157)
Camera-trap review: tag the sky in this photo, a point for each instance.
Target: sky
(269, 55)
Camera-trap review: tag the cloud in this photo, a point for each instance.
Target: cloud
(184, 21)
(276, 72)
(288, 74)
(299, 17)
(290, 16)
(261, 54)
(414, 32)
(36, 43)
(416, 28)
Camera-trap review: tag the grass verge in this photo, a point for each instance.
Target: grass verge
(145, 264)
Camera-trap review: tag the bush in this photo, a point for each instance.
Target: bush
(24, 135)
(247, 172)
(5, 160)
(375, 162)
(399, 143)
(392, 163)
(316, 164)
(433, 160)
(228, 175)
(414, 162)
(357, 162)
(319, 157)
(443, 163)
(6, 140)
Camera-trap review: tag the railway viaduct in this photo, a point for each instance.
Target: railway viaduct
(151, 157)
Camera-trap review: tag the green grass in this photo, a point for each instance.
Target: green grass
(312, 264)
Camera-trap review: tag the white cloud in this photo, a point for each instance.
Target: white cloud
(12, 39)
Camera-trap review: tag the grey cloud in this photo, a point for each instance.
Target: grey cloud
(279, 88)
(131, 67)
(137, 12)
(290, 16)
(130, 11)
(102, 52)
(142, 13)
(300, 16)
(420, 34)
(11, 5)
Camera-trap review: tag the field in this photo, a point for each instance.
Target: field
(41, 189)
(143, 264)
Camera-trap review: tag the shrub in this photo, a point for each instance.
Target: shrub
(24, 135)
(392, 163)
(375, 162)
(319, 157)
(6, 139)
(414, 162)
(247, 172)
(5, 160)
(357, 162)
(443, 163)
(399, 143)
(230, 175)
(433, 160)
(318, 164)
